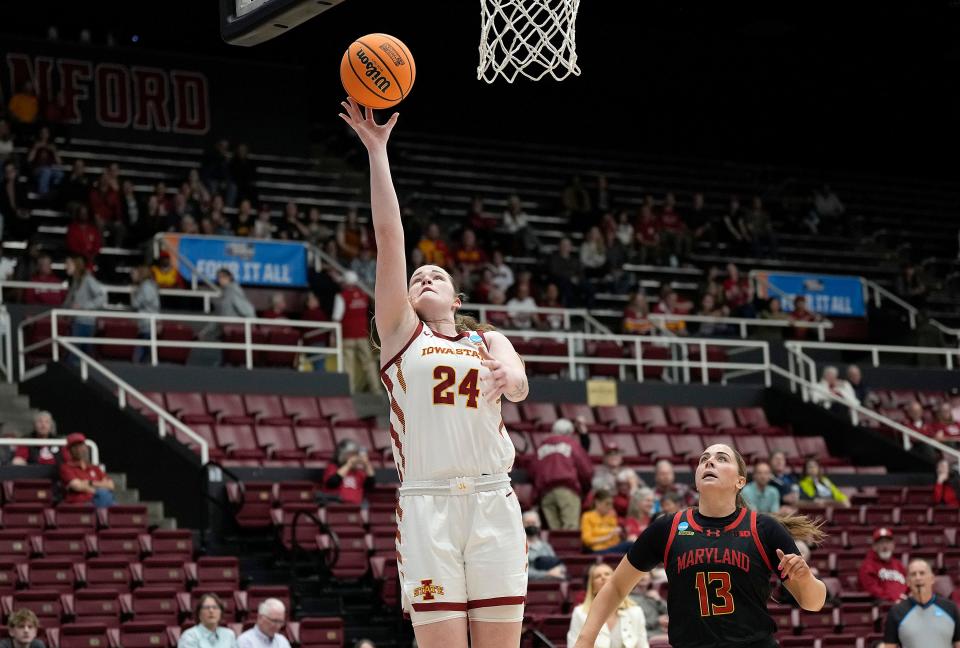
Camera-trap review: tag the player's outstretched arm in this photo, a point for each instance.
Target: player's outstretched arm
(395, 316)
(508, 376)
(625, 578)
(809, 591)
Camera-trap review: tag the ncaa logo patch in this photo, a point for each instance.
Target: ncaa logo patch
(683, 526)
(475, 337)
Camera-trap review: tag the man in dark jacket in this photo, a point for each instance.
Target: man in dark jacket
(882, 575)
(562, 475)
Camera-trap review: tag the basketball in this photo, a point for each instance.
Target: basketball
(377, 70)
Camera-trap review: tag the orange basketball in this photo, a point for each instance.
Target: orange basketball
(377, 70)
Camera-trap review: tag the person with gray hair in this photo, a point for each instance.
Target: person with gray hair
(44, 427)
(562, 473)
(542, 561)
(830, 381)
(271, 617)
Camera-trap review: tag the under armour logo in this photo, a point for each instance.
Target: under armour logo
(712, 533)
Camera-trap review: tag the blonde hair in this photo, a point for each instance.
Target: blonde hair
(588, 599)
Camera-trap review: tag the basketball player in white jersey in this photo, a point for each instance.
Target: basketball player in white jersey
(461, 548)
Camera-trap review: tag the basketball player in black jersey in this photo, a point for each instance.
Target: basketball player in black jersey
(718, 559)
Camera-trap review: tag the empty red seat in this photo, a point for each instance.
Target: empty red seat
(510, 413)
(228, 408)
(617, 417)
(97, 606)
(352, 559)
(64, 544)
(324, 632)
(172, 332)
(756, 418)
(555, 348)
(28, 491)
(342, 515)
(544, 415)
(623, 442)
(654, 418)
(604, 349)
(143, 634)
(75, 517)
(787, 445)
(47, 604)
(281, 336)
(161, 572)
(238, 441)
(266, 409)
(23, 516)
(251, 503)
(752, 447)
(279, 441)
(130, 516)
(257, 594)
(108, 574)
(296, 492)
(687, 418)
(723, 420)
(14, 545)
(218, 573)
(116, 328)
(190, 407)
(153, 605)
(565, 541)
(172, 544)
(655, 447)
(688, 447)
(237, 335)
(51, 574)
(544, 598)
(713, 439)
(340, 411)
(316, 441)
(8, 575)
(119, 544)
(306, 534)
(304, 410)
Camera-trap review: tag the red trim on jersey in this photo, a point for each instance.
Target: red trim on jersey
(406, 346)
(461, 334)
(693, 523)
(493, 602)
(736, 523)
(673, 534)
(430, 607)
(756, 539)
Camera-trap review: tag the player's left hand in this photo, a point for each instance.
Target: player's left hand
(792, 566)
(495, 381)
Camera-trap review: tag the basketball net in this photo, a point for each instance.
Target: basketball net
(529, 37)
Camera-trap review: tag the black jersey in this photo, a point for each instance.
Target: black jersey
(719, 572)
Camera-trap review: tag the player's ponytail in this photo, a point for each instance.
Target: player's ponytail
(466, 323)
(800, 527)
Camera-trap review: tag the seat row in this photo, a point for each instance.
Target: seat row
(37, 515)
(265, 409)
(79, 544)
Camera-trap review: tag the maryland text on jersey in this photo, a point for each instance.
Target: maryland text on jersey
(713, 556)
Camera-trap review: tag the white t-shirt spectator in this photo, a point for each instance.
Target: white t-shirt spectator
(520, 312)
(842, 388)
(502, 277)
(515, 222)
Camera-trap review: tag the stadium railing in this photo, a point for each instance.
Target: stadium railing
(207, 296)
(569, 315)
(909, 436)
(681, 363)
(154, 343)
(6, 345)
(51, 441)
(743, 324)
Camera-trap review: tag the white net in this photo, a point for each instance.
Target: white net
(529, 37)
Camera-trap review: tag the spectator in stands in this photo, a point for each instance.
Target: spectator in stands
(626, 489)
(636, 315)
(673, 231)
(313, 311)
(648, 598)
(131, 207)
(735, 230)
(144, 299)
(196, 193)
(562, 473)
(215, 171)
(14, 216)
(271, 617)
(565, 269)
(244, 221)
(469, 257)
(44, 161)
(278, 307)
(188, 224)
(946, 491)
(351, 237)
(481, 222)
(502, 274)
(760, 495)
(944, 426)
(669, 304)
(827, 205)
(710, 308)
(639, 514)
(816, 487)
(435, 249)
(782, 479)
(575, 200)
(233, 302)
(760, 227)
(75, 188)
(315, 230)
(44, 427)
(855, 380)
(665, 481)
(24, 108)
(881, 574)
(83, 482)
(263, 226)
(243, 171)
(542, 561)
(208, 633)
(499, 318)
(593, 254)
(85, 293)
(22, 626)
(802, 314)
(521, 306)
(774, 311)
(350, 475)
(6, 141)
(915, 418)
(736, 289)
(365, 265)
(551, 299)
(912, 285)
(165, 275)
(351, 307)
(517, 225)
(702, 222)
(626, 627)
(647, 238)
(669, 504)
(600, 528)
(605, 474)
(44, 274)
(106, 208)
(922, 620)
(831, 382)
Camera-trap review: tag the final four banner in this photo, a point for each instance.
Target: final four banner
(253, 262)
(829, 295)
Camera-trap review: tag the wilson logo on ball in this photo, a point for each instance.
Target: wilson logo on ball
(373, 72)
(394, 55)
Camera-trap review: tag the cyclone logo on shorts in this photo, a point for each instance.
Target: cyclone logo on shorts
(428, 590)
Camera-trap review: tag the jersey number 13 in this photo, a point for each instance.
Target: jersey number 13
(717, 583)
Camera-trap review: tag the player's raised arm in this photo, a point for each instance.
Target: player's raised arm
(395, 317)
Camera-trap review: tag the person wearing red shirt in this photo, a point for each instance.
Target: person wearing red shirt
(647, 235)
(943, 427)
(44, 427)
(468, 256)
(83, 237)
(736, 289)
(278, 307)
(802, 314)
(44, 274)
(881, 574)
(350, 474)
(676, 236)
(562, 473)
(351, 307)
(83, 482)
(946, 491)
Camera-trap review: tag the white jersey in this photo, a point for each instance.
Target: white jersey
(440, 424)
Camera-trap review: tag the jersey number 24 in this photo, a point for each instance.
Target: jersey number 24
(443, 392)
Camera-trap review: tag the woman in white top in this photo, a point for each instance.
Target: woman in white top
(625, 628)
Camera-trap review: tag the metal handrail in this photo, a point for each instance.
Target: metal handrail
(567, 313)
(876, 349)
(909, 435)
(880, 293)
(6, 345)
(743, 323)
(52, 441)
(125, 391)
(154, 343)
(206, 295)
